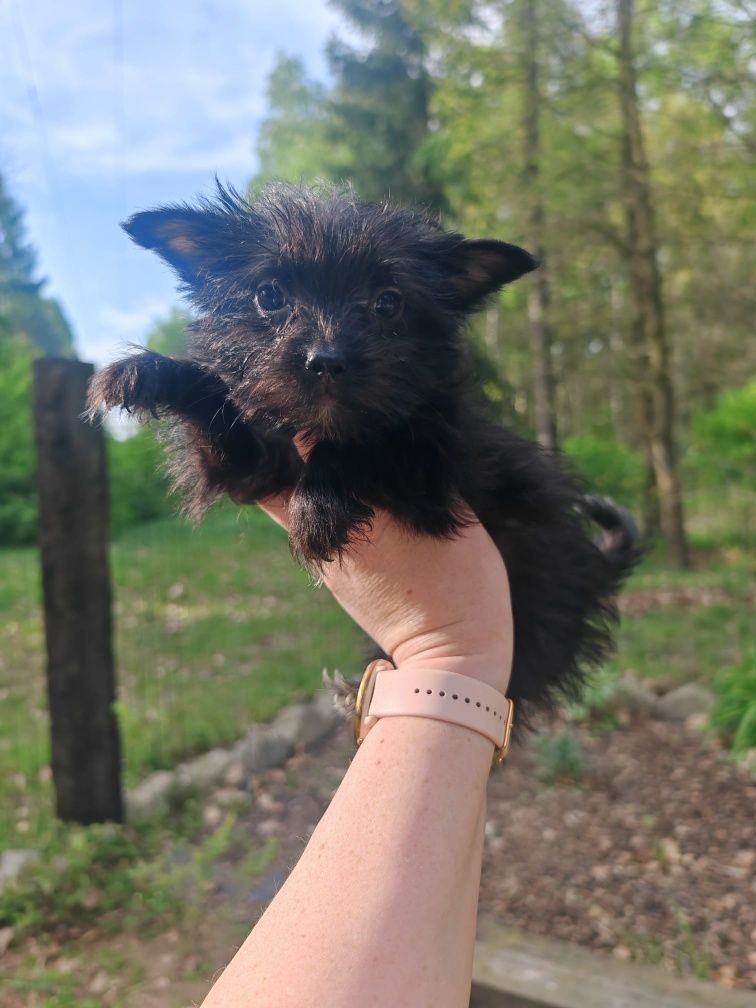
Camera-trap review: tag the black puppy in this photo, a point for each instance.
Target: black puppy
(342, 320)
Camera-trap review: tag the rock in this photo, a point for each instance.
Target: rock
(269, 827)
(231, 797)
(323, 717)
(212, 815)
(291, 723)
(234, 777)
(267, 803)
(154, 795)
(307, 723)
(6, 937)
(262, 748)
(100, 983)
(205, 771)
(631, 695)
(681, 703)
(747, 762)
(12, 862)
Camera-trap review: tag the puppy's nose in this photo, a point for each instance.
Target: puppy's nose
(324, 363)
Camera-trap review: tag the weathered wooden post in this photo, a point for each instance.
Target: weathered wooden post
(71, 482)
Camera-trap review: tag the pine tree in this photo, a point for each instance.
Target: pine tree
(27, 313)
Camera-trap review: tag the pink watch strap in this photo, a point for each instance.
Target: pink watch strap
(444, 696)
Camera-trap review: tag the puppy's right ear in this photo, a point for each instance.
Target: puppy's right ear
(182, 236)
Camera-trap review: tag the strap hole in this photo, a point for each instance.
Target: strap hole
(455, 696)
(467, 699)
(477, 703)
(441, 693)
(429, 691)
(417, 691)
(488, 708)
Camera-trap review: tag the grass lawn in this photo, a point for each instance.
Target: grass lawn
(683, 626)
(215, 628)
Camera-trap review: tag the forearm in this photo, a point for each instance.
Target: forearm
(380, 910)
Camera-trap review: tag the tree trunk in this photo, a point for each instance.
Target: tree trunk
(538, 296)
(649, 338)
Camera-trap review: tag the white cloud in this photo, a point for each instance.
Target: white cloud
(120, 329)
(181, 88)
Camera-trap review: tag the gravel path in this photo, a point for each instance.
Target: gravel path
(651, 856)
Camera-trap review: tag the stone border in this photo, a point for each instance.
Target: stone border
(264, 746)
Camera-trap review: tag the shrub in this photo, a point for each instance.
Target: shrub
(138, 485)
(734, 711)
(607, 468)
(18, 502)
(722, 443)
(559, 758)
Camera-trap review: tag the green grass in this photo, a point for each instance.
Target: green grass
(688, 637)
(215, 628)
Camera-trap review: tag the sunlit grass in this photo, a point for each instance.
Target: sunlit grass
(215, 628)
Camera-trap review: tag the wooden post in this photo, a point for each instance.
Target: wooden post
(71, 482)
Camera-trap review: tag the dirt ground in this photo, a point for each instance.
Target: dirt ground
(651, 856)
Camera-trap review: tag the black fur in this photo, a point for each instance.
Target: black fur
(387, 399)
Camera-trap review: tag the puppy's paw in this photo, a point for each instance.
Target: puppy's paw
(136, 384)
(321, 526)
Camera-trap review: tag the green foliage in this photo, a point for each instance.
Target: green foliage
(607, 468)
(137, 482)
(169, 336)
(27, 313)
(18, 506)
(369, 126)
(734, 711)
(86, 872)
(559, 758)
(123, 877)
(723, 440)
(293, 144)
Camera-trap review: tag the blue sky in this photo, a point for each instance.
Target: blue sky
(110, 106)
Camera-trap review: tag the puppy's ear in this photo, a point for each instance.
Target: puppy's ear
(183, 237)
(483, 266)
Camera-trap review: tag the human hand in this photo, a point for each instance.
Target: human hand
(429, 603)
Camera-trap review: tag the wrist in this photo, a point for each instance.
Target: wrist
(492, 669)
(433, 694)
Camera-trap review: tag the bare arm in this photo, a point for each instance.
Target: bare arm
(381, 908)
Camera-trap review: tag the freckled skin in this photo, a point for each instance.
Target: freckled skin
(342, 323)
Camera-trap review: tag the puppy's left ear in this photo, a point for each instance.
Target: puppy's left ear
(480, 267)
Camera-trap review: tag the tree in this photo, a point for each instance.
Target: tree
(538, 293)
(169, 336)
(369, 126)
(292, 143)
(648, 330)
(22, 304)
(379, 106)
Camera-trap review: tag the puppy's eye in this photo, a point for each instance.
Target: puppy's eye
(388, 304)
(270, 297)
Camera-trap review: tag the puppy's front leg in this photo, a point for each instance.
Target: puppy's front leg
(325, 511)
(215, 450)
(148, 381)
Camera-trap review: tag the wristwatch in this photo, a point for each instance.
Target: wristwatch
(444, 696)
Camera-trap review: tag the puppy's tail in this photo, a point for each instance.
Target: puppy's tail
(618, 539)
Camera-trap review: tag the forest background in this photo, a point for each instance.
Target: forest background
(613, 140)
